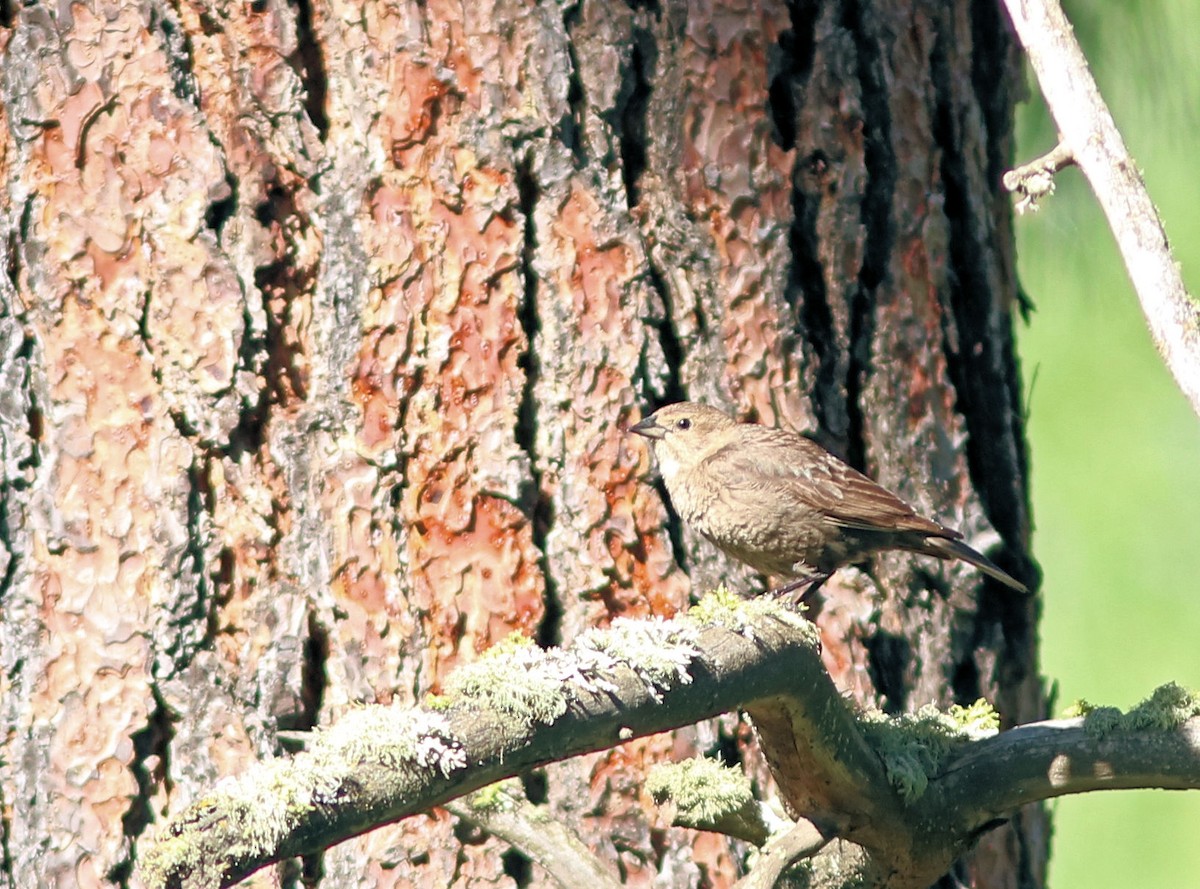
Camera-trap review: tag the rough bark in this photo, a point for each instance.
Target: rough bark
(319, 326)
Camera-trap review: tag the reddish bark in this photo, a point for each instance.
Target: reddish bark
(321, 324)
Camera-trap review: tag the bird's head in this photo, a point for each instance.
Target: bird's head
(684, 434)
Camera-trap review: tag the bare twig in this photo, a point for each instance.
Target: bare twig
(534, 831)
(1035, 180)
(800, 842)
(1091, 136)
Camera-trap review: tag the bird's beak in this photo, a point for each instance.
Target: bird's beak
(648, 428)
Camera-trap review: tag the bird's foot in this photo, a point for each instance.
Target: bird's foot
(800, 588)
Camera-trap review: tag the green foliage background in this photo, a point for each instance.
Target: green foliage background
(1115, 447)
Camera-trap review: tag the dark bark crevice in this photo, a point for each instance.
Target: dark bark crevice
(664, 385)
(18, 235)
(518, 867)
(805, 290)
(281, 282)
(13, 485)
(309, 62)
(877, 217)
(313, 679)
(570, 125)
(630, 111)
(6, 859)
(790, 62)
(534, 501)
(190, 618)
(222, 209)
(151, 769)
(979, 354)
(889, 661)
(312, 870)
(177, 50)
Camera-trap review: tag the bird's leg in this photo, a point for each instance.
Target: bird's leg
(802, 587)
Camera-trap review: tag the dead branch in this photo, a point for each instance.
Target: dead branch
(1090, 136)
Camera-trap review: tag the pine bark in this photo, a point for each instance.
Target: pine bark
(319, 327)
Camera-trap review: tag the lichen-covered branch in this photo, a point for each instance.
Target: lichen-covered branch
(1156, 744)
(706, 795)
(512, 711)
(902, 797)
(1035, 180)
(1090, 136)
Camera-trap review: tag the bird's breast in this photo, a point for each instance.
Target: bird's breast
(761, 526)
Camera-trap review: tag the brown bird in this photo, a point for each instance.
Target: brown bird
(783, 504)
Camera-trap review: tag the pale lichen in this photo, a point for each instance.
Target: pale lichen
(913, 746)
(722, 608)
(518, 680)
(659, 651)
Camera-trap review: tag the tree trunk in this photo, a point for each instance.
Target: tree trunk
(320, 326)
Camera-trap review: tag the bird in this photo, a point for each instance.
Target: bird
(782, 504)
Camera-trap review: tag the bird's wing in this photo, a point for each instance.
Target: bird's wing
(784, 462)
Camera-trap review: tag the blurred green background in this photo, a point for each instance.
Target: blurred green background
(1115, 447)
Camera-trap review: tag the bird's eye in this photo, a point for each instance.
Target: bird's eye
(685, 423)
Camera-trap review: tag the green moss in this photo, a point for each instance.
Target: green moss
(722, 608)
(514, 643)
(1078, 708)
(710, 796)
(716, 606)
(703, 790)
(913, 746)
(979, 720)
(494, 797)
(1102, 721)
(1168, 707)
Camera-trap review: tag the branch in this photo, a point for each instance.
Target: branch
(1035, 180)
(510, 712)
(803, 840)
(889, 802)
(534, 831)
(705, 795)
(1092, 139)
(995, 777)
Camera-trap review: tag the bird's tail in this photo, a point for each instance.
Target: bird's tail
(949, 548)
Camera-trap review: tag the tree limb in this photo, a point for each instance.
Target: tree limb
(506, 714)
(996, 776)
(803, 840)
(1035, 180)
(534, 831)
(521, 707)
(1090, 135)
(705, 795)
